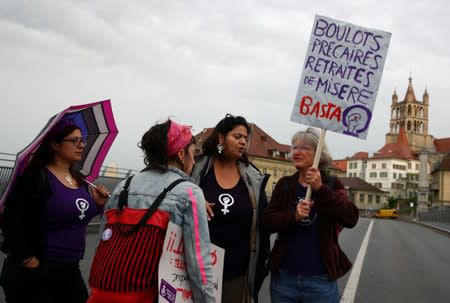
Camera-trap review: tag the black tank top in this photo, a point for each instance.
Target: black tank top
(230, 226)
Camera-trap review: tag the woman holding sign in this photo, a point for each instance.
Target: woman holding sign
(306, 259)
(235, 190)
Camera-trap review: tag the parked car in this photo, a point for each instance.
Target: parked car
(386, 213)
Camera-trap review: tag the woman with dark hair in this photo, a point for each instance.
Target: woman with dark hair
(235, 191)
(306, 259)
(125, 265)
(45, 220)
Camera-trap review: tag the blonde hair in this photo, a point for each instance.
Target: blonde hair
(311, 136)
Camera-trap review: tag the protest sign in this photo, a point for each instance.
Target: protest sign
(341, 76)
(173, 281)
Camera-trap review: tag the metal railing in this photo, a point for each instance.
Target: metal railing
(108, 174)
(436, 215)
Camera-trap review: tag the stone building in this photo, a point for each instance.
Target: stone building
(404, 164)
(365, 196)
(411, 115)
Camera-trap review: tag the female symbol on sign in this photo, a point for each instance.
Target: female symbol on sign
(226, 200)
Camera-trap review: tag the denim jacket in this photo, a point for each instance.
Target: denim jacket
(186, 205)
(259, 246)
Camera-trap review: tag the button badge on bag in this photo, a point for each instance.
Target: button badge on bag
(106, 235)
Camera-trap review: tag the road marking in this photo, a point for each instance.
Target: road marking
(352, 283)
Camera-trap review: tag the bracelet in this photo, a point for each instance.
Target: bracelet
(27, 261)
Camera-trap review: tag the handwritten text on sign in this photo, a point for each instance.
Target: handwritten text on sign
(341, 77)
(174, 284)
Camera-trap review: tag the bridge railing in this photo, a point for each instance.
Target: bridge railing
(108, 174)
(435, 215)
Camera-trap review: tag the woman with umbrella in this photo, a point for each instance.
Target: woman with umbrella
(45, 219)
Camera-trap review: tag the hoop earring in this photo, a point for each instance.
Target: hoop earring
(219, 148)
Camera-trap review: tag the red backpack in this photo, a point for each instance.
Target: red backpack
(127, 257)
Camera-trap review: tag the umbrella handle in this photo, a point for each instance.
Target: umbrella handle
(93, 185)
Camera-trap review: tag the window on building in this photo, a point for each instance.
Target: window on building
(369, 198)
(351, 165)
(383, 174)
(374, 165)
(395, 175)
(377, 199)
(378, 184)
(264, 170)
(399, 176)
(373, 175)
(361, 198)
(349, 175)
(383, 165)
(355, 165)
(352, 197)
(409, 165)
(417, 166)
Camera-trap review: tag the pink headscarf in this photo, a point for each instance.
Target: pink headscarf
(178, 137)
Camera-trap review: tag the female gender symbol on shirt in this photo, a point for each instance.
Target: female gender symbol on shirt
(226, 200)
(82, 206)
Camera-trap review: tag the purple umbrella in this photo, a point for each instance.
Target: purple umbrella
(97, 124)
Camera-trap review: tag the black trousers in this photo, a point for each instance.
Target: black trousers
(51, 282)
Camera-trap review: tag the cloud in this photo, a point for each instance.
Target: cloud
(195, 61)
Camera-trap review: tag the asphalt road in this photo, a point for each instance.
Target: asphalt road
(404, 262)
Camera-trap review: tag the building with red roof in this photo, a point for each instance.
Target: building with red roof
(395, 167)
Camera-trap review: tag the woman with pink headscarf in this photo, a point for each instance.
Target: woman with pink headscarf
(125, 266)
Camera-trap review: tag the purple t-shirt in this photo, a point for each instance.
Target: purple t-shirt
(303, 250)
(230, 226)
(68, 213)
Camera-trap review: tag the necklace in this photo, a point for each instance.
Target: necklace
(68, 179)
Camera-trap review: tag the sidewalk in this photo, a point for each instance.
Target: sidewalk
(440, 226)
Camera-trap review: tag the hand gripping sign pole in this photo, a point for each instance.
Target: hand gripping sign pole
(316, 159)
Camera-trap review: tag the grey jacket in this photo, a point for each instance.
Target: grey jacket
(259, 246)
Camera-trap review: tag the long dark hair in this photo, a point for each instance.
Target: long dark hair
(45, 154)
(224, 126)
(154, 145)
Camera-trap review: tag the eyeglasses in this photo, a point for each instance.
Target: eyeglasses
(302, 148)
(76, 140)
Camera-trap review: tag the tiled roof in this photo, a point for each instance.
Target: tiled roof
(263, 145)
(398, 150)
(410, 97)
(442, 145)
(340, 164)
(355, 183)
(444, 164)
(360, 156)
(260, 144)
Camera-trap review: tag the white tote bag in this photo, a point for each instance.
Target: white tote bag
(173, 284)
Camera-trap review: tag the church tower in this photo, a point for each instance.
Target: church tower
(412, 115)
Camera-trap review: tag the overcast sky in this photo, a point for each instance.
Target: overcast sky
(195, 61)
